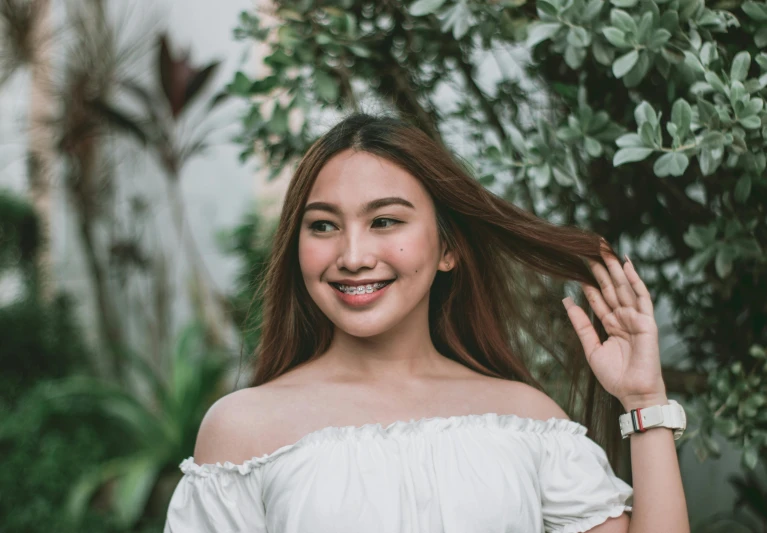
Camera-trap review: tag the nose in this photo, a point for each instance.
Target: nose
(358, 251)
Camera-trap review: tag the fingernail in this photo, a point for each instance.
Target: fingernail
(627, 259)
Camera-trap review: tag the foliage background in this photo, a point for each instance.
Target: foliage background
(640, 119)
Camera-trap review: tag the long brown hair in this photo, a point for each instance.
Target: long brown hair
(493, 312)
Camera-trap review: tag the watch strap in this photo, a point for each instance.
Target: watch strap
(670, 416)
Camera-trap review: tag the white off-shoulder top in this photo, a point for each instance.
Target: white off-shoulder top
(470, 473)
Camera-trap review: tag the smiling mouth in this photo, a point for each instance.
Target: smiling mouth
(361, 289)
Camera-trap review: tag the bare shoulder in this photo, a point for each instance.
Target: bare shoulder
(525, 400)
(236, 427)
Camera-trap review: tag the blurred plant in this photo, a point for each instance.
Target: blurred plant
(181, 82)
(250, 242)
(40, 341)
(98, 77)
(25, 45)
(643, 120)
(20, 35)
(734, 406)
(750, 509)
(162, 426)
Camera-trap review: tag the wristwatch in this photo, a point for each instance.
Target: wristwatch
(671, 415)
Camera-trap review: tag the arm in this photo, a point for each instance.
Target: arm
(659, 502)
(627, 364)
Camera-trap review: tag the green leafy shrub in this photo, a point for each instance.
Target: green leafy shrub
(643, 120)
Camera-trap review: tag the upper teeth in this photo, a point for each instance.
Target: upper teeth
(360, 289)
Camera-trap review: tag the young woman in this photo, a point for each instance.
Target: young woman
(393, 391)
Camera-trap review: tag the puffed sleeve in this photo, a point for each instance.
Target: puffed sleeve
(217, 499)
(579, 489)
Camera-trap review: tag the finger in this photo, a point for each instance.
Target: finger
(605, 284)
(583, 327)
(621, 283)
(597, 302)
(644, 300)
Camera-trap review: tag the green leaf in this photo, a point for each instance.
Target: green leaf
(723, 262)
(648, 134)
(425, 7)
(630, 140)
(743, 188)
(574, 56)
(740, 66)
(708, 161)
(359, 50)
(240, 85)
(623, 21)
(755, 10)
(750, 123)
(517, 141)
(750, 457)
(699, 237)
(630, 155)
(615, 36)
(541, 175)
(760, 39)
(726, 426)
(681, 115)
(644, 112)
(670, 21)
(706, 111)
(605, 54)
(326, 86)
(672, 54)
(637, 74)
(287, 36)
(698, 262)
(562, 177)
(624, 3)
(645, 26)
(593, 147)
(539, 32)
(593, 8)
(546, 8)
(568, 134)
(708, 53)
(458, 18)
(658, 39)
(626, 62)
(671, 163)
(693, 62)
(715, 81)
(578, 36)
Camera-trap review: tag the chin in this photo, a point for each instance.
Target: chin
(362, 329)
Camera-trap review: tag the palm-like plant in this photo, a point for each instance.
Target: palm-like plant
(164, 422)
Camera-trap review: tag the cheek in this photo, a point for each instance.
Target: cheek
(413, 252)
(312, 256)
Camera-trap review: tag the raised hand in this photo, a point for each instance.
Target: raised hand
(627, 364)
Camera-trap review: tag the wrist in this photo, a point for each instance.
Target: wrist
(641, 401)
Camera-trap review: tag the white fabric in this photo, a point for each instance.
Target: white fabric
(479, 473)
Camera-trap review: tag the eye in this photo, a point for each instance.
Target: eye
(313, 225)
(394, 222)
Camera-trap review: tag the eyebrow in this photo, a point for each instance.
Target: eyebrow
(366, 209)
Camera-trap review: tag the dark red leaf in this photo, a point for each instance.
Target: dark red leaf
(198, 82)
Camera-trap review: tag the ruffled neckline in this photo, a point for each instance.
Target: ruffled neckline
(395, 429)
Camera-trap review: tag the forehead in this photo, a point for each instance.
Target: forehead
(351, 178)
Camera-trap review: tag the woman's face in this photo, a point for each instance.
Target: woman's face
(345, 237)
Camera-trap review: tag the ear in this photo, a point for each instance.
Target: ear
(447, 261)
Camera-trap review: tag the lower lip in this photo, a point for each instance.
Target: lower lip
(360, 299)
